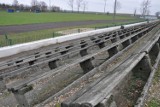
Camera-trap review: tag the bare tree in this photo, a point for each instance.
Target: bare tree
(148, 12)
(145, 7)
(34, 4)
(84, 6)
(49, 5)
(42, 6)
(105, 2)
(27, 8)
(55, 9)
(117, 5)
(135, 12)
(21, 7)
(15, 4)
(71, 4)
(79, 4)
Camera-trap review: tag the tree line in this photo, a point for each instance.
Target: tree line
(35, 5)
(79, 5)
(145, 9)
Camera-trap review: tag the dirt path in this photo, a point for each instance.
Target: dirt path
(34, 27)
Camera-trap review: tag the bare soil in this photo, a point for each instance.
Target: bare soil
(154, 92)
(54, 25)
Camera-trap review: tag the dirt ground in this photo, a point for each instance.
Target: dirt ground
(154, 92)
(42, 26)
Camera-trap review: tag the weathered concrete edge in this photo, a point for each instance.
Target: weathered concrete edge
(88, 57)
(87, 75)
(141, 101)
(15, 49)
(95, 70)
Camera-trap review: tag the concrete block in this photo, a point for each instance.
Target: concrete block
(83, 52)
(126, 43)
(86, 66)
(100, 58)
(108, 42)
(92, 49)
(21, 99)
(154, 53)
(120, 47)
(112, 51)
(2, 85)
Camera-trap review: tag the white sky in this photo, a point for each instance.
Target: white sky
(127, 6)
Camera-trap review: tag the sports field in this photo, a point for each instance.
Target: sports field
(45, 25)
(31, 18)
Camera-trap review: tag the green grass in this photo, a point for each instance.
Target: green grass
(26, 37)
(30, 18)
(154, 103)
(18, 38)
(157, 77)
(58, 105)
(153, 100)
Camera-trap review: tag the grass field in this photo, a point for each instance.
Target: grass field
(154, 96)
(30, 18)
(47, 33)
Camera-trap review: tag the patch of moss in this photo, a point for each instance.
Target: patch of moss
(134, 90)
(154, 103)
(58, 105)
(157, 76)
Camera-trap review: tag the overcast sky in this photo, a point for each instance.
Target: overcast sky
(127, 6)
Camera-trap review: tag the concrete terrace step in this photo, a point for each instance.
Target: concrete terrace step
(84, 70)
(52, 76)
(54, 98)
(14, 72)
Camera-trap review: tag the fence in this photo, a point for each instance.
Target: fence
(8, 40)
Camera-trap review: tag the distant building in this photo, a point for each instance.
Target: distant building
(149, 17)
(37, 11)
(10, 10)
(55, 9)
